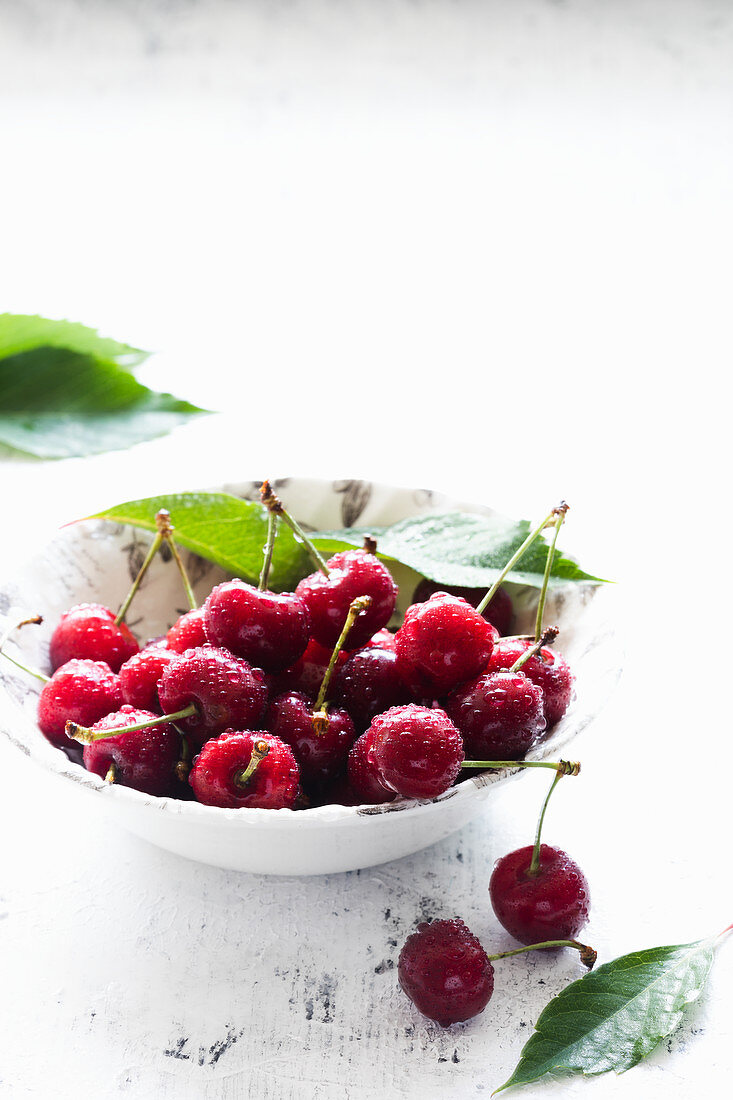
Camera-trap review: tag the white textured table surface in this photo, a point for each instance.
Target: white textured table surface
(414, 242)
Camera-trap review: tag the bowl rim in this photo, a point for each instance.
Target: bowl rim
(312, 817)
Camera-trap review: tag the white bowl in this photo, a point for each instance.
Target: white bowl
(93, 561)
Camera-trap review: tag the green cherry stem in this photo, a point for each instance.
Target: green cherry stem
(567, 767)
(260, 750)
(166, 528)
(547, 638)
(534, 866)
(274, 504)
(357, 606)
(588, 955)
(86, 735)
(269, 547)
(36, 619)
(549, 519)
(560, 512)
(154, 548)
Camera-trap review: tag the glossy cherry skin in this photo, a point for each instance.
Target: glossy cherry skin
(442, 643)
(320, 755)
(188, 632)
(383, 639)
(140, 675)
(500, 715)
(81, 692)
(88, 632)
(269, 629)
(552, 905)
(362, 775)
(307, 673)
(369, 683)
(272, 786)
(548, 669)
(228, 692)
(416, 752)
(499, 613)
(328, 598)
(144, 759)
(445, 972)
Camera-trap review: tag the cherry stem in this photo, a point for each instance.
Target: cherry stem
(87, 736)
(260, 750)
(183, 765)
(361, 603)
(111, 776)
(154, 548)
(548, 637)
(269, 547)
(534, 866)
(370, 544)
(560, 512)
(588, 955)
(566, 767)
(515, 558)
(166, 529)
(37, 619)
(274, 504)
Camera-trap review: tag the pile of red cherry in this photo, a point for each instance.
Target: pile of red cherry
(289, 700)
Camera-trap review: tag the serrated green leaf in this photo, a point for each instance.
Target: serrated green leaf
(57, 403)
(614, 1016)
(452, 548)
(223, 529)
(468, 550)
(21, 332)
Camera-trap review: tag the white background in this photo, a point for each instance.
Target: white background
(432, 243)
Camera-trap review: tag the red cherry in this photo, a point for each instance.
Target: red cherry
(142, 759)
(88, 632)
(320, 746)
(499, 613)
(417, 752)
(351, 574)
(442, 643)
(307, 673)
(548, 669)
(363, 776)
(445, 972)
(551, 905)
(140, 675)
(267, 628)
(217, 775)
(369, 683)
(227, 691)
(499, 714)
(187, 632)
(82, 691)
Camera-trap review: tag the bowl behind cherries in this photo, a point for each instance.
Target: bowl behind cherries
(92, 561)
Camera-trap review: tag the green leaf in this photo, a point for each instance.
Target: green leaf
(55, 403)
(452, 548)
(224, 529)
(456, 548)
(25, 332)
(616, 1015)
